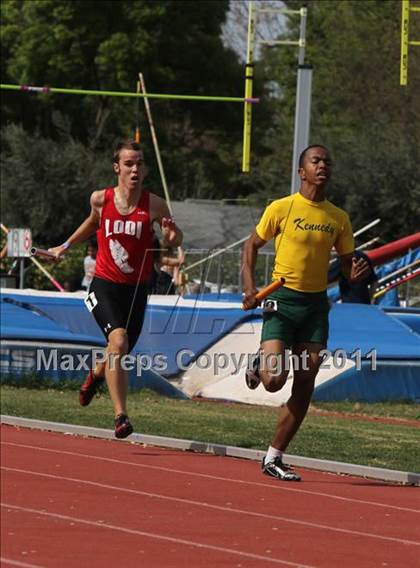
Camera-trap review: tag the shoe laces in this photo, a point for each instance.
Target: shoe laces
(279, 463)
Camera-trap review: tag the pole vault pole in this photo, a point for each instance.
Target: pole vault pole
(59, 90)
(155, 142)
(249, 78)
(137, 132)
(157, 153)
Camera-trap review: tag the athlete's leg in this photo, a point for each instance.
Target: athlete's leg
(273, 368)
(99, 370)
(292, 414)
(116, 377)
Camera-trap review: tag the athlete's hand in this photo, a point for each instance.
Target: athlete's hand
(58, 252)
(359, 269)
(249, 301)
(169, 232)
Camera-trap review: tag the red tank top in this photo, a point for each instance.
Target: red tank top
(125, 242)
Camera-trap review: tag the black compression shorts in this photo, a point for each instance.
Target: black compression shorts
(112, 306)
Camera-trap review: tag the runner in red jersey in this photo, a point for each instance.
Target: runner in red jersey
(123, 219)
(124, 242)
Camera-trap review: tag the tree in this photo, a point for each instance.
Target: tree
(359, 110)
(46, 184)
(102, 45)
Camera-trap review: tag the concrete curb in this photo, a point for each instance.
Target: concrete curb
(405, 478)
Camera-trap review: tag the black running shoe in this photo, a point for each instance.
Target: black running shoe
(123, 427)
(279, 470)
(252, 375)
(89, 388)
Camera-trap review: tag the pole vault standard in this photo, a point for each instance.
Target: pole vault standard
(59, 90)
(405, 42)
(303, 86)
(249, 78)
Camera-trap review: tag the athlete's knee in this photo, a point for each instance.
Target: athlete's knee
(118, 342)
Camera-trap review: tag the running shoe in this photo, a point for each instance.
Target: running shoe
(279, 470)
(89, 388)
(252, 374)
(123, 427)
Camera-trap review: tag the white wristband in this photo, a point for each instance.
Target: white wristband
(66, 245)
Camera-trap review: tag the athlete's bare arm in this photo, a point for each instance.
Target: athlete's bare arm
(249, 258)
(159, 213)
(88, 227)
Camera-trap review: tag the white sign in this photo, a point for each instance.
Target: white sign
(19, 243)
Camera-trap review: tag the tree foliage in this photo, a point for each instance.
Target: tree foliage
(359, 110)
(103, 45)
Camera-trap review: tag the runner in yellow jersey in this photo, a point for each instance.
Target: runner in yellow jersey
(305, 227)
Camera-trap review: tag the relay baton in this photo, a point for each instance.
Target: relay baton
(264, 292)
(42, 252)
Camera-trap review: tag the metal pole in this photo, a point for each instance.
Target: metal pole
(302, 119)
(240, 272)
(302, 36)
(303, 102)
(366, 227)
(21, 273)
(219, 275)
(212, 255)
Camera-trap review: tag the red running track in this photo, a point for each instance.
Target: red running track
(70, 502)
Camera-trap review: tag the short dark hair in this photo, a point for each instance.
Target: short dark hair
(125, 145)
(303, 154)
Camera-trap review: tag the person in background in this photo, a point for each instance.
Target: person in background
(166, 276)
(89, 264)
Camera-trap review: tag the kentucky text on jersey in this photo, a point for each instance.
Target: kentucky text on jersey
(120, 227)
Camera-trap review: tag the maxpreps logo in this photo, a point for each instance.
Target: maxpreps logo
(300, 224)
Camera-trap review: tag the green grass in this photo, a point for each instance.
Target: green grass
(393, 446)
(394, 409)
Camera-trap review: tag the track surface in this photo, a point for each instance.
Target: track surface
(70, 501)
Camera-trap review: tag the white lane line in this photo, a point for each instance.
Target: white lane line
(18, 563)
(155, 536)
(274, 485)
(209, 506)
